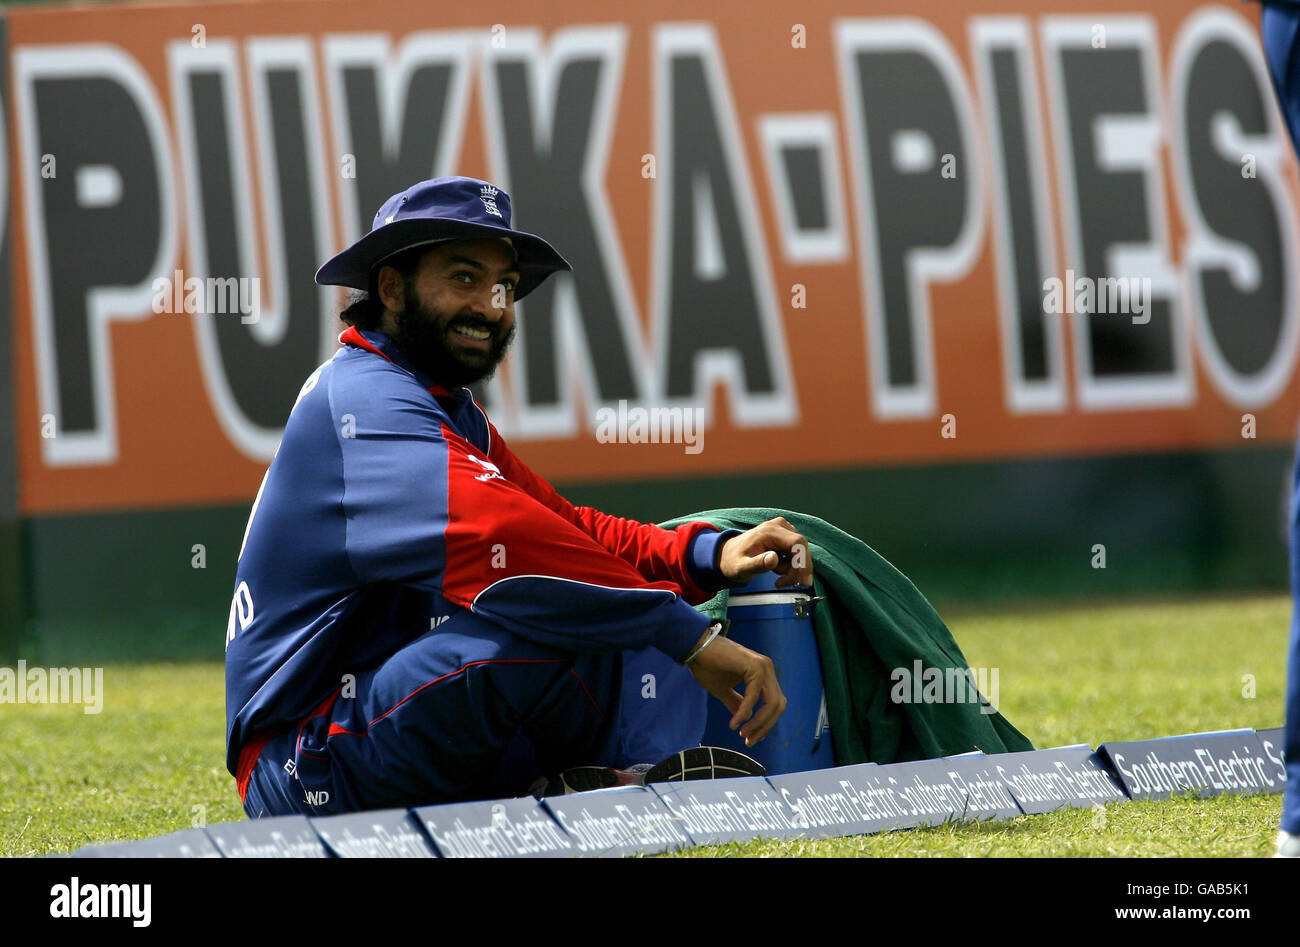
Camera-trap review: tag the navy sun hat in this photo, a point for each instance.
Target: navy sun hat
(455, 208)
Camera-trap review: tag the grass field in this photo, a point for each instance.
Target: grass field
(153, 760)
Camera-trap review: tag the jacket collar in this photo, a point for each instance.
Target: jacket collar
(382, 345)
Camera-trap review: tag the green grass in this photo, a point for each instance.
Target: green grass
(1178, 828)
(1066, 675)
(138, 768)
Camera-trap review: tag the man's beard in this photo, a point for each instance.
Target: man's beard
(422, 338)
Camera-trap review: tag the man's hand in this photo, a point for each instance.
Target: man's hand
(723, 665)
(773, 546)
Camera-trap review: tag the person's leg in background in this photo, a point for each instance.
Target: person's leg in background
(1279, 28)
(467, 711)
(1289, 827)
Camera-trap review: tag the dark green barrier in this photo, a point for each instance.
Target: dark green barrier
(126, 586)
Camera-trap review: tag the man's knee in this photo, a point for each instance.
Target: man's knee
(436, 718)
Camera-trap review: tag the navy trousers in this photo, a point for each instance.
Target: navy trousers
(1291, 795)
(464, 711)
(1280, 27)
(469, 711)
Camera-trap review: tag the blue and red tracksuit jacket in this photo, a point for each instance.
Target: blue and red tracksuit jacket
(390, 504)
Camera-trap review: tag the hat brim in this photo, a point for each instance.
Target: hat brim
(537, 258)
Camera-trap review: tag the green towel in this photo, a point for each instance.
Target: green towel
(873, 621)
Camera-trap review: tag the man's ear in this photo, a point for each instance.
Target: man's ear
(391, 287)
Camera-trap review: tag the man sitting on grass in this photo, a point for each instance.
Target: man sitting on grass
(418, 617)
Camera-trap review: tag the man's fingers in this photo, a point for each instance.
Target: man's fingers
(803, 564)
(731, 698)
(746, 708)
(772, 546)
(763, 684)
(758, 728)
(794, 553)
(774, 706)
(774, 703)
(728, 664)
(792, 576)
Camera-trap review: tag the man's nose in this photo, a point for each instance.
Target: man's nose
(485, 302)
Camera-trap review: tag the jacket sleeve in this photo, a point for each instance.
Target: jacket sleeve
(686, 556)
(425, 507)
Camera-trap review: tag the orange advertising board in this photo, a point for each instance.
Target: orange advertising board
(802, 238)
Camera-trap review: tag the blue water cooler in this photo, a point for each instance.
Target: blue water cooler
(778, 623)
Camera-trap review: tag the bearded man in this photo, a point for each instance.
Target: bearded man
(419, 618)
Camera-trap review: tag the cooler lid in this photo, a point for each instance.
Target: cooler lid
(782, 597)
(762, 590)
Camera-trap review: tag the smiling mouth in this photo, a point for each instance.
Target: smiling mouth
(472, 332)
(472, 335)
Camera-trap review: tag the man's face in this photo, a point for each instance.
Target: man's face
(459, 313)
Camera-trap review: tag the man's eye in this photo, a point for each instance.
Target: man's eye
(463, 276)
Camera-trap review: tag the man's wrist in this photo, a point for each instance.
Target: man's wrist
(705, 558)
(717, 630)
